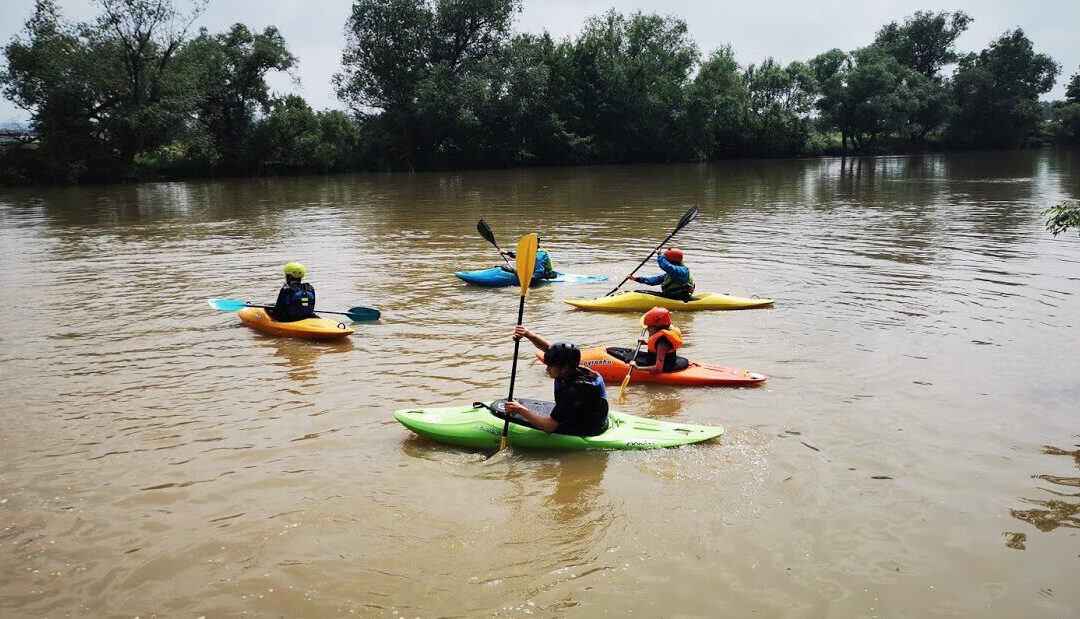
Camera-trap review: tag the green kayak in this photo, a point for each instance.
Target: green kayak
(476, 426)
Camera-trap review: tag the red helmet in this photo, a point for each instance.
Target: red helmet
(673, 254)
(657, 317)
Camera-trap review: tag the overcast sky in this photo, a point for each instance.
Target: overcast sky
(785, 29)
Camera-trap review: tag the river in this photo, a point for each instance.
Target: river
(914, 453)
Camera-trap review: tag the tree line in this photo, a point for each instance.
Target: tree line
(138, 92)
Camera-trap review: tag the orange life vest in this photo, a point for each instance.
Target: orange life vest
(673, 336)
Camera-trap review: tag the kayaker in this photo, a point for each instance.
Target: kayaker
(544, 268)
(663, 341)
(581, 406)
(295, 300)
(675, 282)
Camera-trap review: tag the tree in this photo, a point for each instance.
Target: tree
(231, 71)
(865, 95)
(718, 105)
(996, 92)
(925, 41)
(1072, 91)
(416, 68)
(1062, 217)
(628, 79)
(101, 93)
(780, 100)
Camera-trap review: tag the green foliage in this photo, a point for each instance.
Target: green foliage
(1072, 91)
(925, 42)
(997, 93)
(420, 70)
(1066, 123)
(444, 83)
(867, 95)
(1063, 217)
(229, 72)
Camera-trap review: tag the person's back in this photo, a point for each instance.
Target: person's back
(581, 405)
(544, 268)
(296, 299)
(675, 282)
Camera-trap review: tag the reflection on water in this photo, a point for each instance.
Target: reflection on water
(1062, 511)
(301, 355)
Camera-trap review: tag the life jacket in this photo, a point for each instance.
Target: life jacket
(299, 303)
(544, 267)
(674, 338)
(674, 290)
(590, 385)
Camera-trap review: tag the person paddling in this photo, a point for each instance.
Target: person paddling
(581, 405)
(544, 267)
(675, 282)
(663, 341)
(295, 300)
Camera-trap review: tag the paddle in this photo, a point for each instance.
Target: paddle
(485, 231)
(232, 305)
(689, 216)
(630, 370)
(526, 262)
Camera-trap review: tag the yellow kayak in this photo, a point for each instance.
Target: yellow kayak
(641, 302)
(309, 328)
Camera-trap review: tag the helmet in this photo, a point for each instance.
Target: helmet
(673, 254)
(296, 270)
(656, 317)
(563, 354)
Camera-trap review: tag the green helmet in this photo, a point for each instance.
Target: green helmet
(295, 269)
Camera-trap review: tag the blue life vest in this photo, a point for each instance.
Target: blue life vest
(295, 302)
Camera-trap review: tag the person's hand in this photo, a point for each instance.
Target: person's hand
(633, 364)
(520, 332)
(631, 278)
(514, 408)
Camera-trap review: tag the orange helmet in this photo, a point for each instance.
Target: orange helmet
(656, 317)
(674, 254)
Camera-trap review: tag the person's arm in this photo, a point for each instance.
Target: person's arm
(662, 348)
(653, 280)
(508, 254)
(281, 303)
(537, 340)
(543, 423)
(677, 272)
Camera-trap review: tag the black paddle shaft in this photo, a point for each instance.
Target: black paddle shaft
(513, 367)
(689, 216)
(517, 347)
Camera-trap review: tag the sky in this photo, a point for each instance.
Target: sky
(787, 30)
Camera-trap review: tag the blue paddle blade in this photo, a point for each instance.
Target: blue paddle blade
(363, 313)
(226, 305)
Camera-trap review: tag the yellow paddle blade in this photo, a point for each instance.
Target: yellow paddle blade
(526, 260)
(622, 390)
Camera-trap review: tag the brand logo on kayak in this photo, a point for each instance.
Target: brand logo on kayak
(488, 429)
(430, 418)
(640, 442)
(597, 362)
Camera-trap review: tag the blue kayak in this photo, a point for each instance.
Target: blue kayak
(500, 277)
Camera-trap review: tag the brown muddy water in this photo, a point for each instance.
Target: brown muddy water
(914, 453)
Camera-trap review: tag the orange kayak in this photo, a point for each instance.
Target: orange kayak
(608, 362)
(309, 328)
